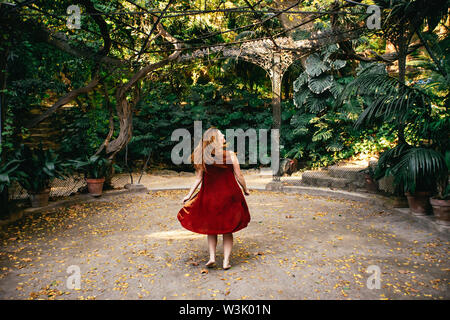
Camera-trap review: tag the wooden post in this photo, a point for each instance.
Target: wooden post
(276, 76)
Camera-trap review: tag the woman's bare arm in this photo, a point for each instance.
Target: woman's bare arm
(238, 173)
(198, 180)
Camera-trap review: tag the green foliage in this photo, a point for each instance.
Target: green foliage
(83, 131)
(417, 162)
(420, 169)
(39, 167)
(323, 129)
(161, 112)
(10, 172)
(226, 93)
(93, 167)
(412, 13)
(394, 103)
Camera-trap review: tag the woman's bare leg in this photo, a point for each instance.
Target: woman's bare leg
(212, 244)
(227, 246)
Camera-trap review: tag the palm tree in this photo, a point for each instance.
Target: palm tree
(420, 165)
(404, 19)
(416, 166)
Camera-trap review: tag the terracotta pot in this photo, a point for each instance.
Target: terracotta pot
(371, 185)
(441, 211)
(95, 186)
(419, 203)
(39, 199)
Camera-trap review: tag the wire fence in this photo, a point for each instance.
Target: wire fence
(60, 188)
(347, 176)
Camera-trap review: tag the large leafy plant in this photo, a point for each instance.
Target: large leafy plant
(160, 111)
(323, 131)
(314, 92)
(93, 167)
(316, 88)
(417, 164)
(420, 169)
(10, 172)
(38, 167)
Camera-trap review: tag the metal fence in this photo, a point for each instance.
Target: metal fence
(344, 176)
(60, 188)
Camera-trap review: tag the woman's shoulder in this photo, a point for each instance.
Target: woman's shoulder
(230, 155)
(230, 152)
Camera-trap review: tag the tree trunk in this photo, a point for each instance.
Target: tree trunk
(3, 75)
(402, 54)
(4, 196)
(276, 78)
(124, 107)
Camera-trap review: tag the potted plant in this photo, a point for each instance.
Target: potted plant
(417, 111)
(419, 172)
(441, 202)
(39, 167)
(383, 170)
(95, 169)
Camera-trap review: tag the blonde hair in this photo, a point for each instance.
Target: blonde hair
(204, 153)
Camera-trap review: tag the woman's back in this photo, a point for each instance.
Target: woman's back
(219, 207)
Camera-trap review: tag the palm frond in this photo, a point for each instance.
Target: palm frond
(420, 168)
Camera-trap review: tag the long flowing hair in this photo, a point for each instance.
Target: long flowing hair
(205, 151)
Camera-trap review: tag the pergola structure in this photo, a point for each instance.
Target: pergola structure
(275, 56)
(274, 52)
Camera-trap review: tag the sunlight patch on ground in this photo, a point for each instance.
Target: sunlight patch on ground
(175, 235)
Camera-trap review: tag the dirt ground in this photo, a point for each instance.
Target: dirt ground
(131, 246)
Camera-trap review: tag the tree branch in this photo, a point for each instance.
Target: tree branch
(387, 58)
(59, 41)
(124, 107)
(64, 100)
(111, 120)
(98, 56)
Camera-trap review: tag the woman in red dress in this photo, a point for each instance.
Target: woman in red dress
(219, 207)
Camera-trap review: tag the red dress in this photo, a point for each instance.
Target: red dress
(219, 207)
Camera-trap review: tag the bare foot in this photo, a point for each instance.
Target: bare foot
(226, 266)
(210, 263)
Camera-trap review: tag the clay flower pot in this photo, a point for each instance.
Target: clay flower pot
(95, 186)
(419, 202)
(441, 211)
(39, 199)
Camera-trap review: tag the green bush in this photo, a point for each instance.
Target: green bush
(39, 167)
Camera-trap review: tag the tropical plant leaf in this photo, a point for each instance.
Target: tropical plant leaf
(335, 146)
(315, 66)
(315, 104)
(301, 120)
(420, 167)
(300, 81)
(336, 89)
(321, 83)
(329, 50)
(300, 98)
(338, 64)
(322, 135)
